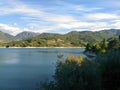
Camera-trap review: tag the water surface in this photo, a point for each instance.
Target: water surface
(24, 68)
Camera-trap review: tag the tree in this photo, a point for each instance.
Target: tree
(114, 43)
(104, 44)
(76, 73)
(97, 48)
(90, 46)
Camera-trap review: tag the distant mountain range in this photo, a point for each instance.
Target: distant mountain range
(4, 37)
(85, 36)
(25, 35)
(71, 39)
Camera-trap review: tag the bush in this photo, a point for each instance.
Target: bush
(109, 65)
(75, 74)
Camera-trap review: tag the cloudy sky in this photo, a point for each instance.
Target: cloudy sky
(58, 16)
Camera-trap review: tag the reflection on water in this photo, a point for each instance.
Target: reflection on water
(23, 69)
(55, 51)
(6, 58)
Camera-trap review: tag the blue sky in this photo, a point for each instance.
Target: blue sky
(58, 16)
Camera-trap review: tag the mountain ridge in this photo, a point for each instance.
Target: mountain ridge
(79, 34)
(25, 35)
(71, 39)
(5, 37)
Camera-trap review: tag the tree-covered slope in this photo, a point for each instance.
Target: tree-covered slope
(77, 73)
(71, 39)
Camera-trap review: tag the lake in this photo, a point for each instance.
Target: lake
(25, 68)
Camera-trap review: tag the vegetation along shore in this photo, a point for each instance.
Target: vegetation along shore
(101, 73)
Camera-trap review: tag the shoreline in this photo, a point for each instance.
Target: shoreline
(43, 47)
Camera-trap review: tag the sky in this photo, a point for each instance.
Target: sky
(58, 16)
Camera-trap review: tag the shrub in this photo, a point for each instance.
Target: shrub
(75, 74)
(109, 65)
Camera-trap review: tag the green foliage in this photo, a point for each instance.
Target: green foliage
(114, 43)
(74, 74)
(109, 65)
(71, 39)
(48, 41)
(103, 46)
(74, 59)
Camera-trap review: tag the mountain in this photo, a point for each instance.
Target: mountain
(25, 35)
(4, 37)
(111, 31)
(71, 39)
(89, 36)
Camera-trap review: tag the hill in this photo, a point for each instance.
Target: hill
(25, 35)
(71, 39)
(4, 37)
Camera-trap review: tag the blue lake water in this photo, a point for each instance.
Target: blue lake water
(25, 68)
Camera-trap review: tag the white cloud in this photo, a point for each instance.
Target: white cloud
(100, 26)
(72, 25)
(56, 22)
(86, 9)
(101, 16)
(21, 8)
(15, 24)
(79, 26)
(60, 19)
(116, 25)
(10, 29)
(92, 26)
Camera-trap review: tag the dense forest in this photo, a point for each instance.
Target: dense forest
(77, 73)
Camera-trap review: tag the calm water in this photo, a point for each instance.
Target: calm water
(24, 68)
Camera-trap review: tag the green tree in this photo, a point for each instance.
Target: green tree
(114, 43)
(90, 46)
(104, 44)
(97, 48)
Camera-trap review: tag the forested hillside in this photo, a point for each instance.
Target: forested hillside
(71, 39)
(77, 73)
